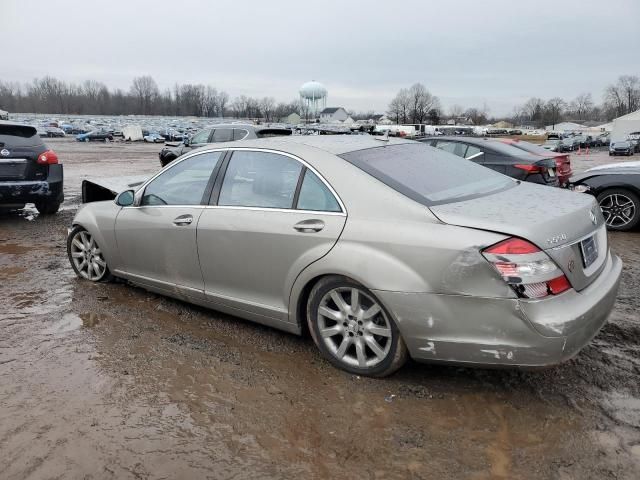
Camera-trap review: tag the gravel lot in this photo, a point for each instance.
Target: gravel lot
(110, 381)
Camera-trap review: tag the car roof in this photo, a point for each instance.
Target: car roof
(335, 144)
(256, 128)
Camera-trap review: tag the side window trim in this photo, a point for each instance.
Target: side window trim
(296, 195)
(215, 194)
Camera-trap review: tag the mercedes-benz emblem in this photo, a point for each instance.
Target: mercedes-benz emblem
(4, 152)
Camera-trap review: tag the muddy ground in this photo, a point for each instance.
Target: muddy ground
(109, 381)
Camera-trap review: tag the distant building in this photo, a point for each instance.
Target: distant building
(291, 119)
(565, 127)
(333, 114)
(624, 125)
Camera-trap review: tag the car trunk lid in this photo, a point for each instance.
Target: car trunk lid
(568, 226)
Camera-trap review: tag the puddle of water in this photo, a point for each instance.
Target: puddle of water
(625, 408)
(68, 323)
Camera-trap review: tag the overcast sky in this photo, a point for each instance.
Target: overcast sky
(467, 52)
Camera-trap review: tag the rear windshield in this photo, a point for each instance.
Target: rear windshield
(428, 175)
(530, 147)
(19, 136)
(273, 132)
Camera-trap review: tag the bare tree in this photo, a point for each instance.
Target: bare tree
(145, 90)
(554, 108)
(581, 106)
(267, 106)
(456, 111)
(624, 95)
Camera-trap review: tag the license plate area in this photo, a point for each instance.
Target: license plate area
(589, 249)
(11, 168)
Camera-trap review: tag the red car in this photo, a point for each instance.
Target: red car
(563, 163)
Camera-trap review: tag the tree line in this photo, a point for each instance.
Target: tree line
(51, 95)
(417, 105)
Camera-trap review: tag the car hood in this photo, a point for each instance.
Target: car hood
(620, 168)
(549, 217)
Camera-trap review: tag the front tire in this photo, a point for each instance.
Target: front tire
(353, 330)
(621, 209)
(86, 256)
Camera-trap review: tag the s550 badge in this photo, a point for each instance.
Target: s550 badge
(557, 239)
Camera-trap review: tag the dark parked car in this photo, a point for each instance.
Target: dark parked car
(500, 157)
(95, 136)
(218, 134)
(29, 171)
(563, 163)
(623, 147)
(617, 188)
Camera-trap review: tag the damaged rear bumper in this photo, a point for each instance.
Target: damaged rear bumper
(32, 191)
(501, 331)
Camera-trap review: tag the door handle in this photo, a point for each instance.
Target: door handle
(309, 226)
(183, 220)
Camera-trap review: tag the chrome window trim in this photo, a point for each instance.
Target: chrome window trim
(304, 163)
(246, 132)
(186, 156)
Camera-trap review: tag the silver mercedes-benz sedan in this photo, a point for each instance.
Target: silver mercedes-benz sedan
(384, 249)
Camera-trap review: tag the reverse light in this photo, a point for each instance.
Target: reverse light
(527, 269)
(48, 158)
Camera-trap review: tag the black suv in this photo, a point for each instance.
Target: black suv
(218, 134)
(29, 171)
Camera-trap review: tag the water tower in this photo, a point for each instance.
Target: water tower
(313, 96)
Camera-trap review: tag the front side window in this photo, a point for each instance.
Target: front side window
(223, 135)
(201, 137)
(260, 179)
(182, 184)
(314, 195)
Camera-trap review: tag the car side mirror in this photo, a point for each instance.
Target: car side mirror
(125, 199)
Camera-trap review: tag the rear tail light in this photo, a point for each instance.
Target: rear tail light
(526, 268)
(48, 158)
(529, 168)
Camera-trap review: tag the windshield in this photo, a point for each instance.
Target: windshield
(428, 175)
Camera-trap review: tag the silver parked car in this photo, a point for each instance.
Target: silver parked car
(384, 248)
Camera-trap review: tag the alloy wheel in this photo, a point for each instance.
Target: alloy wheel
(87, 256)
(618, 210)
(354, 327)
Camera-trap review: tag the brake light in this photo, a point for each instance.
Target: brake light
(511, 246)
(529, 168)
(527, 269)
(48, 158)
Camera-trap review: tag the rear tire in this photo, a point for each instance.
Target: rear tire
(47, 208)
(354, 332)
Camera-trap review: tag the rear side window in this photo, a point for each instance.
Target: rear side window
(428, 175)
(314, 195)
(239, 133)
(452, 147)
(260, 179)
(19, 136)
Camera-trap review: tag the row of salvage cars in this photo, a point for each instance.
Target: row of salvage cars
(383, 249)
